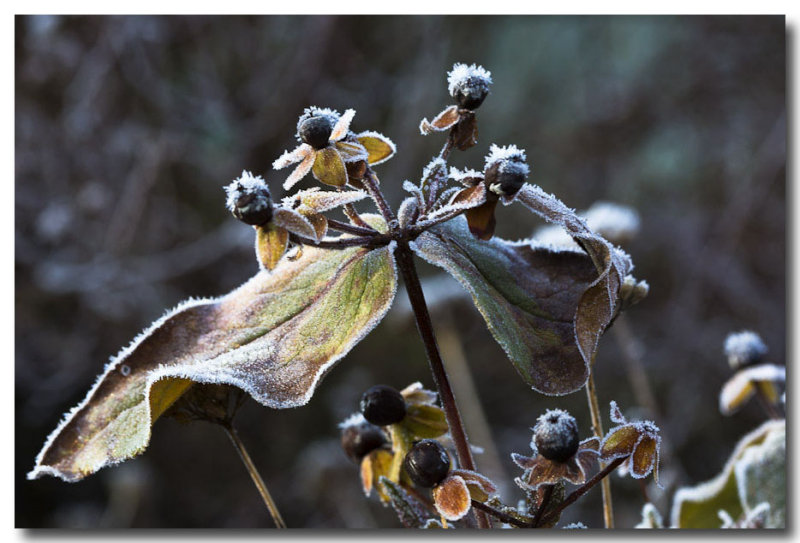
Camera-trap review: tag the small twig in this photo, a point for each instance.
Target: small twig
(573, 497)
(350, 228)
(597, 428)
(500, 515)
(370, 183)
(405, 262)
(255, 475)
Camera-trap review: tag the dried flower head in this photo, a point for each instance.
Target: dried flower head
(322, 150)
(638, 440)
(469, 85)
(744, 348)
(249, 199)
(557, 453)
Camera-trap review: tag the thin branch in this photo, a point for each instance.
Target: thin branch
(597, 428)
(573, 497)
(255, 475)
(351, 228)
(548, 493)
(370, 183)
(405, 262)
(352, 214)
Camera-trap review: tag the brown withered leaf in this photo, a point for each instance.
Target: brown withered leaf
(600, 303)
(530, 296)
(465, 133)
(451, 498)
(274, 337)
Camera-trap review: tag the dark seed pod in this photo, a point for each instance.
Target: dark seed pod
(316, 131)
(556, 435)
(254, 207)
(427, 463)
(383, 405)
(472, 94)
(360, 439)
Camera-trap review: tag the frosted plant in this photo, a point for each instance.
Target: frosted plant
(325, 283)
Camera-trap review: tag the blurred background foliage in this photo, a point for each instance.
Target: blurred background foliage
(128, 127)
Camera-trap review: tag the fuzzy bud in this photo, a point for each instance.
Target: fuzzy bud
(505, 170)
(556, 435)
(249, 199)
(469, 85)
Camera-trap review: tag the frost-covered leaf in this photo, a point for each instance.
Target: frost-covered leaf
(351, 152)
(271, 244)
(697, 507)
(379, 147)
(651, 518)
(481, 488)
(329, 167)
(409, 510)
(274, 337)
(741, 387)
(324, 200)
(293, 221)
(444, 120)
(600, 301)
(761, 477)
(531, 297)
(425, 421)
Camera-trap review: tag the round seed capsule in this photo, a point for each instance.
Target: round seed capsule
(361, 439)
(427, 463)
(316, 131)
(383, 405)
(253, 208)
(556, 435)
(471, 94)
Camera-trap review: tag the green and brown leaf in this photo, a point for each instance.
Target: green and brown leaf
(535, 300)
(274, 337)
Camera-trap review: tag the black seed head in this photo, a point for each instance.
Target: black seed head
(316, 131)
(360, 439)
(253, 207)
(427, 463)
(556, 435)
(383, 405)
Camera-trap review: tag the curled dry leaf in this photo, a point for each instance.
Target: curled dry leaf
(600, 302)
(444, 120)
(274, 337)
(532, 298)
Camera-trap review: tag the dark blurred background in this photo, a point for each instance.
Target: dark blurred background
(128, 127)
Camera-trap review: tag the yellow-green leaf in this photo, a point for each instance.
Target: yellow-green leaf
(329, 167)
(425, 421)
(274, 337)
(379, 147)
(271, 243)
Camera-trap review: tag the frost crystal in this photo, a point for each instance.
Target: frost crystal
(246, 183)
(459, 176)
(506, 156)
(314, 111)
(575, 526)
(353, 420)
(437, 166)
(462, 76)
(744, 348)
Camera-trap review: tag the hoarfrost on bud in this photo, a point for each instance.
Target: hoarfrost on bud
(246, 183)
(353, 420)
(462, 76)
(314, 111)
(505, 155)
(744, 348)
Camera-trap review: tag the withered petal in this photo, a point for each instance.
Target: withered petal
(342, 125)
(620, 441)
(644, 457)
(300, 171)
(379, 147)
(481, 220)
(271, 243)
(451, 498)
(351, 152)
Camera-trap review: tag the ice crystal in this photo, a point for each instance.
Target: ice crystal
(473, 75)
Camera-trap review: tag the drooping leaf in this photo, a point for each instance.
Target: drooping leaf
(531, 297)
(600, 302)
(697, 507)
(274, 337)
(271, 243)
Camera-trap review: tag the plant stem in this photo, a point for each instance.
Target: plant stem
(405, 261)
(370, 183)
(573, 497)
(257, 480)
(597, 428)
(350, 228)
(352, 214)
